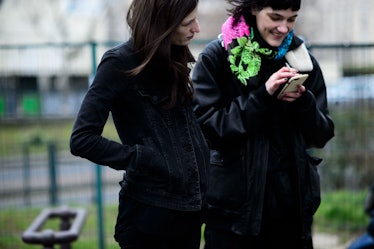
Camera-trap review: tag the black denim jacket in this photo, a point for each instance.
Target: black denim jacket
(162, 151)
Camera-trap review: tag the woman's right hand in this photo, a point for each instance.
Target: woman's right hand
(278, 78)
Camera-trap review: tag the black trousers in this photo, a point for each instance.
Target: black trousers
(133, 238)
(275, 238)
(141, 226)
(281, 225)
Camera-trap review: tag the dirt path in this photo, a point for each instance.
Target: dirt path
(328, 241)
(322, 241)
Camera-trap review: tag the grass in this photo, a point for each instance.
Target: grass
(341, 213)
(35, 134)
(40, 132)
(16, 220)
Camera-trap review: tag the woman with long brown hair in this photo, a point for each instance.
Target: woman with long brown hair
(144, 83)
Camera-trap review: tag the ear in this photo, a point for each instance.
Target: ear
(254, 11)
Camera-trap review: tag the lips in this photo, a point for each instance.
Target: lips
(278, 35)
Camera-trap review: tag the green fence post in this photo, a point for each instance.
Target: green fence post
(26, 174)
(99, 199)
(52, 174)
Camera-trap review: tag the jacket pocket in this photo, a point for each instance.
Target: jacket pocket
(313, 197)
(154, 95)
(226, 181)
(150, 168)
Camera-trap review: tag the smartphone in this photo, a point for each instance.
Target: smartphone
(292, 84)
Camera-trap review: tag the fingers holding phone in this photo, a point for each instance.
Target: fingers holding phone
(292, 85)
(278, 79)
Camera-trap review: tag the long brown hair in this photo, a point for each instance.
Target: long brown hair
(152, 23)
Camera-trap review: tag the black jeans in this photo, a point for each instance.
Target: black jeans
(132, 238)
(281, 225)
(281, 238)
(141, 226)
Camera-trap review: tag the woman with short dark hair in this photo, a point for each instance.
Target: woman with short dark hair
(263, 184)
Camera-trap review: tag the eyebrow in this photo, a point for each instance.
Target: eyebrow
(188, 21)
(279, 15)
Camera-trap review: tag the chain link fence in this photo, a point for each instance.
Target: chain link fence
(41, 88)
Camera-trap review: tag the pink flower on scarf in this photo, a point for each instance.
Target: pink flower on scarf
(230, 32)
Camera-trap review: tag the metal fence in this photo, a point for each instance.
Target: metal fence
(349, 73)
(43, 85)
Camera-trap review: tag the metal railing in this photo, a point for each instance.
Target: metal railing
(347, 158)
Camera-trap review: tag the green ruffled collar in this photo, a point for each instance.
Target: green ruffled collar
(245, 53)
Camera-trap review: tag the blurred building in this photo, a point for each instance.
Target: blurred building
(49, 49)
(40, 21)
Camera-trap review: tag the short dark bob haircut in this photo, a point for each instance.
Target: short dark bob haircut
(246, 6)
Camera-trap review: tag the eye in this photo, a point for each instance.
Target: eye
(185, 24)
(279, 18)
(276, 18)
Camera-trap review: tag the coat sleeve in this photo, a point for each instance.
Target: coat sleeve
(225, 113)
(314, 119)
(86, 139)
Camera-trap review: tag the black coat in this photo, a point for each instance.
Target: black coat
(162, 151)
(240, 122)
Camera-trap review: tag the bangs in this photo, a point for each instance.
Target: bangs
(282, 4)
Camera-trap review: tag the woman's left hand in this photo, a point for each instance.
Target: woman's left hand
(292, 96)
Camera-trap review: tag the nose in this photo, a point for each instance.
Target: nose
(196, 27)
(283, 28)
